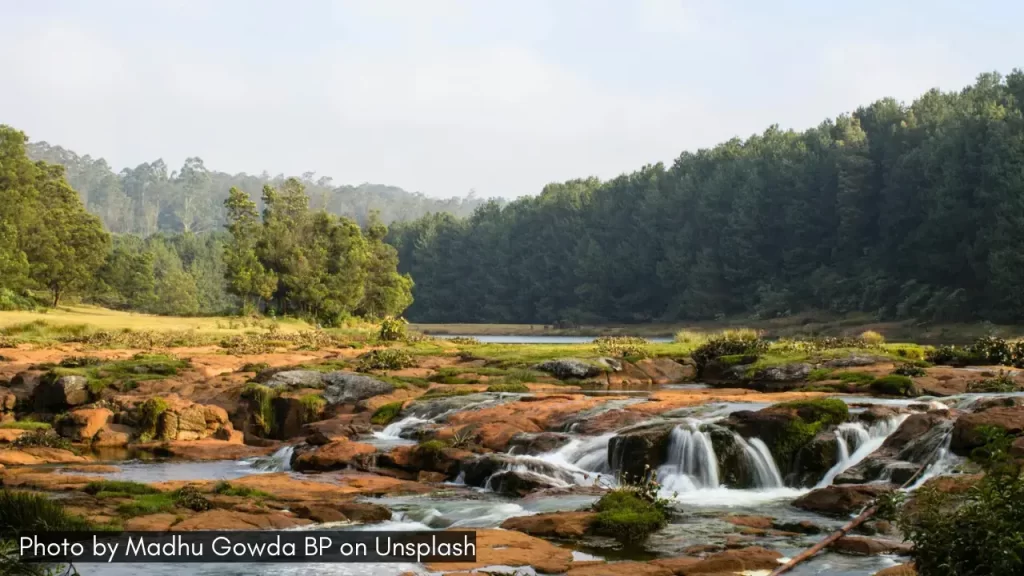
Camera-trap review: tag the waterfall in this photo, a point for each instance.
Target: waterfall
(692, 463)
(279, 461)
(394, 430)
(759, 458)
(855, 442)
(942, 462)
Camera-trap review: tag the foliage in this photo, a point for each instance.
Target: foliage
(909, 370)
(384, 359)
(189, 497)
(464, 340)
(894, 385)
(622, 346)
(227, 489)
(256, 367)
(146, 504)
(872, 338)
(392, 329)
(628, 517)
(28, 512)
(1002, 382)
(729, 343)
(149, 414)
(462, 437)
(387, 413)
(42, 437)
(24, 425)
(985, 350)
(508, 387)
(119, 487)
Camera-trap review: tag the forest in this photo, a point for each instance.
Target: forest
(900, 211)
(287, 258)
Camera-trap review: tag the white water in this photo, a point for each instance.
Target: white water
(856, 442)
(279, 461)
(579, 462)
(394, 430)
(942, 463)
(692, 463)
(766, 473)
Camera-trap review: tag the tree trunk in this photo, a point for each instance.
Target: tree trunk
(56, 295)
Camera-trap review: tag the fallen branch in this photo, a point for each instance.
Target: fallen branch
(863, 517)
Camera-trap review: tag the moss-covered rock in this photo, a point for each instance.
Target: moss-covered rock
(623, 515)
(894, 385)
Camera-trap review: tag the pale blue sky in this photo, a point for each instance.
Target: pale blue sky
(445, 96)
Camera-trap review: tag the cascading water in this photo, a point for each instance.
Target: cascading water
(766, 473)
(692, 463)
(579, 462)
(394, 430)
(855, 442)
(279, 461)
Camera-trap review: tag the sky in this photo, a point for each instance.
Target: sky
(447, 96)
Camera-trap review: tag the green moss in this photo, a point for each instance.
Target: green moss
(145, 504)
(623, 515)
(119, 486)
(894, 385)
(812, 417)
(854, 377)
(445, 393)
(433, 447)
(386, 414)
(25, 425)
(149, 414)
(441, 378)
(819, 374)
(312, 407)
(227, 489)
(827, 411)
(263, 396)
(514, 388)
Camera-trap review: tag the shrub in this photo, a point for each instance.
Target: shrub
(79, 361)
(386, 414)
(149, 414)
(190, 497)
(1003, 382)
(312, 407)
(28, 512)
(622, 346)
(392, 329)
(624, 515)
(909, 370)
(256, 367)
(384, 359)
(894, 385)
(509, 387)
(689, 338)
(728, 343)
(42, 437)
(226, 489)
(119, 486)
(872, 338)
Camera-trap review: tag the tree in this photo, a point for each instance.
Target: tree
(245, 274)
(386, 292)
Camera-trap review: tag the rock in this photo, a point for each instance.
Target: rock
(334, 456)
(732, 561)
(537, 443)
(350, 387)
(840, 500)
(417, 459)
(912, 444)
(81, 425)
(495, 436)
(620, 569)
(229, 435)
(853, 360)
(112, 435)
(640, 450)
(815, 459)
(513, 549)
(337, 428)
(208, 449)
(151, 523)
(966, 436)
(32, 455)
(429, 477)
(7, 400)
(569, 368)
(519, 483)
(215, 416)
(58, 393)
(291, 379)
(290, 415)
(759, 522)
(24, 384)
(877, 413)
(91, 469)
(1017, 449)
(18, 458)
(429, 409)
(864, 546)
(665, 370)
(784, 373)
(982, 404)
(192, 423)
(898, 570)
(801, 527)
(219, 519)
(477, 471)
(552, 525)
(607, 422)
(8, 435)
(319, 514)
(678, 565)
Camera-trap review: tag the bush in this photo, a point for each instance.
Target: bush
(508, 387)
(28, 512)
(894, 385)
(689, 338)
(392, 329)
(1001, 383)
(386, 414)
(729, 343)
(79, 361)
(909, 370)
(42, 437)
(190, 497)
(622, 346)
(384, 359)
(872, 338)
(985, 350)
(626, 516)
(256, 367)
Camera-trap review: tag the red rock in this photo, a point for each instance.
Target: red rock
(431, 477)
(621, 569)
(510, 548)
(552, 525)
(864, 546)
(151, 523)
(10, 434)
(231, 520)
(840, 500)
(898, 570)
(336, 455)
(965, 432)
(82, 424)
(731, 561)
(760, 522)
(112, 435)
(677, 565)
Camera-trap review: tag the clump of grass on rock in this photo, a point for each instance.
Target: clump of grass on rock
(894, 385)
(386, 414)
(384, 359)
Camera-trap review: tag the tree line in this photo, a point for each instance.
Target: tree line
(151, 198)
(287, 259)
(902, 211)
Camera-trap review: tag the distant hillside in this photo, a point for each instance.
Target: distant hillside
(152, 198)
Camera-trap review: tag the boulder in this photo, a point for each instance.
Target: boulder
(666, 371)
(486, 468)
(913, 444)
(637, 451)
(290, 415)
(966, 435)
(337, 428)
(815, 459)
(446, 461)
(151, 522)
(840, 500)
(8, 435)
(57, 393)
(512, 549)
(748, 559)
(349, 387)
(537, 443)
(291, 379)
(569, 368)
(519, 483)
(219, 519)
(553, 524)
(229, 435)
(784, 373)
(112, 435)
(898, 570)
(362, 513)
(24, 384)
(334, 456)
(83, 424)
(864, 546)
(877, 413)
(618, 569)
(7, 400)
(608, 421)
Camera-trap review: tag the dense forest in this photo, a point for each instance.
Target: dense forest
(898, 210)
(151, 198)
(288, 258)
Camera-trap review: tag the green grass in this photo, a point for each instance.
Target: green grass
(28, 512)
(386, 414)
(623, 515)
(510, 387)
(25, 425)
(312, 407)
(145, 504)
(819, 374)
(123, 374)
(853, 377)
(226, 489)
(120, 487)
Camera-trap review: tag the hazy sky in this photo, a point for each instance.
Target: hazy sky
(444, 96)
